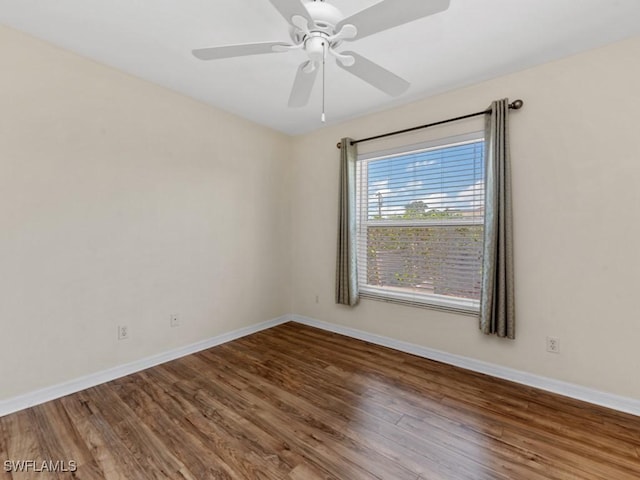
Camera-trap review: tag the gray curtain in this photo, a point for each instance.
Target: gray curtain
(346, 267)
(497, 309)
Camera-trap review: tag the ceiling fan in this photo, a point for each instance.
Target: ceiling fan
(319, 28)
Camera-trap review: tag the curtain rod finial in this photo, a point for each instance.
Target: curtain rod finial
(517, 104)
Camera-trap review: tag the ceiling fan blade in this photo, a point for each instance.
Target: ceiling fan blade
(302, 86)
(391, 13)
(375, 75)
(240, 50)
(290, 8)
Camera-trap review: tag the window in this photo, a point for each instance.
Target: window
(420, 216)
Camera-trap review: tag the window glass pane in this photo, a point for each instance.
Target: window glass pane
(421, 220)
(439, 183)
(443, 260)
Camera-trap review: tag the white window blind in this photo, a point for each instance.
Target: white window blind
(420, 224)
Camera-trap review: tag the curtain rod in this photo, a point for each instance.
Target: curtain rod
(515, 105)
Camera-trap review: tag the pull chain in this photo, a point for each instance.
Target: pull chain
(324, 59)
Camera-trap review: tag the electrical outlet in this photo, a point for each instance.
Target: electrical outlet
(174, 320)
(553, 345)
(123, 332)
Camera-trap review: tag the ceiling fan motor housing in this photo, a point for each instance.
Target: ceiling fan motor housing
(325, 15)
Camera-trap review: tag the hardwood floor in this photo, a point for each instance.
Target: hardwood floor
(298, 403)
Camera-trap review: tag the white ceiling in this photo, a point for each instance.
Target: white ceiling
(472, 41)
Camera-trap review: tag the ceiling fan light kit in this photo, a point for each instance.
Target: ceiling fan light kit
(319, 28)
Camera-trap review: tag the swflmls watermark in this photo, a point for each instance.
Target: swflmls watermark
(40, 466)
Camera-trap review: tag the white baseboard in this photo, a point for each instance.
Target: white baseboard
(615, 402)
(56, 391)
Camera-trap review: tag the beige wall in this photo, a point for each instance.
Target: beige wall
(576, 163)
(122, 203)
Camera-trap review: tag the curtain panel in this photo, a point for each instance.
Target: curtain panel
(346, 266)
(497, 304)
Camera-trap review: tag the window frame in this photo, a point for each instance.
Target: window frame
(395, 294)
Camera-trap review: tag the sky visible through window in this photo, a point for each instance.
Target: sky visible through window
(439, 181)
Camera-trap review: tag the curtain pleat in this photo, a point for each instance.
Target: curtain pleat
(346, 266)
(497, 304)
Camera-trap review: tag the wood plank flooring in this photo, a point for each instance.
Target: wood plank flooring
(298, 403)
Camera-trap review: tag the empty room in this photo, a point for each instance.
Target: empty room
(320, 239)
